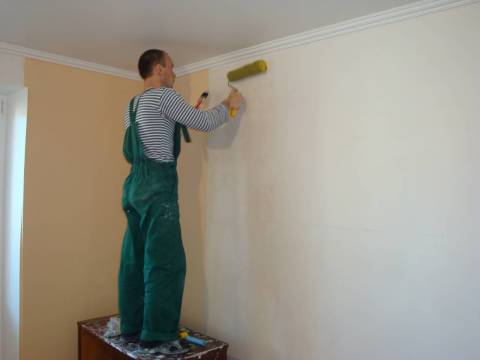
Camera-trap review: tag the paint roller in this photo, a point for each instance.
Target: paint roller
(257, 67)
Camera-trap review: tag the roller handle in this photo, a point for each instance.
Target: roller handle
(184, 335)
(233, 112)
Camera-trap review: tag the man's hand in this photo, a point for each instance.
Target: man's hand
(234, 99)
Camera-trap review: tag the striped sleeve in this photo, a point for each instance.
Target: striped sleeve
(177, 109)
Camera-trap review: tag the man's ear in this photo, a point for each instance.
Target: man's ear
(157, 69)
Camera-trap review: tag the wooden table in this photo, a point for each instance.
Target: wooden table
(93, 345)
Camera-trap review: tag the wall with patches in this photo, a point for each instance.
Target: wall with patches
(192, 171)
(342, 207)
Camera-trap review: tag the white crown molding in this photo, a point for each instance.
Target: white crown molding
(381, 18)
(7, 48)
(385, 17)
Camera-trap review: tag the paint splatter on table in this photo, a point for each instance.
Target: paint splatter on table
(93, 345)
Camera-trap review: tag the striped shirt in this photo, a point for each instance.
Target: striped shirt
(157, 113)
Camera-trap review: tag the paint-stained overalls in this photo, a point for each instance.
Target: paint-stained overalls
(152, 266)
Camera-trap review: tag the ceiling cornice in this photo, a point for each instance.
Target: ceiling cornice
(381, 18)
(7, 48)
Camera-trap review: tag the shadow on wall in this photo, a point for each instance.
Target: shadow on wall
(229, 132)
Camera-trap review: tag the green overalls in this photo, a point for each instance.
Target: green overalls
(152, 266)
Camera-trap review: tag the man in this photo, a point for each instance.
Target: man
(152, 267)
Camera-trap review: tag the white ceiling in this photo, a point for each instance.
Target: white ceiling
(115, 32)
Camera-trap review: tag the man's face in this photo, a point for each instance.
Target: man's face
(167, 74)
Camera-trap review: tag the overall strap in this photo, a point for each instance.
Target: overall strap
(186, 134)
(137, 151)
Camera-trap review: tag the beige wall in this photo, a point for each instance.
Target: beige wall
(73, 224)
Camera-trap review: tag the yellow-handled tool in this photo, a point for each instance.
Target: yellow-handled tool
(233, 112)
(257, 67)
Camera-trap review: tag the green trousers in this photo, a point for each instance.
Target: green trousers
(152, 266)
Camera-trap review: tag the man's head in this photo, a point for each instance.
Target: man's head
(156, 68)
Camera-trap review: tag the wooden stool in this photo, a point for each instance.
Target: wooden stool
(93, 345)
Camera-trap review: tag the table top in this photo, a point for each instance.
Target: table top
(131, 349)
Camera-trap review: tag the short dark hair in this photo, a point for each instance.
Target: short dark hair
(148, 60)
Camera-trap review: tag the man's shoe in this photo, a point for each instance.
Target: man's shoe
(129, 338)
